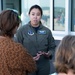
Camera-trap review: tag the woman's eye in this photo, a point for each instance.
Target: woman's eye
(32, 14)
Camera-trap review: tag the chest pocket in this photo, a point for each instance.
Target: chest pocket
(43, 37)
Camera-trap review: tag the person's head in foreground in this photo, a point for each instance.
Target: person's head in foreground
(9, 22)
(14, 58)
(65, 56)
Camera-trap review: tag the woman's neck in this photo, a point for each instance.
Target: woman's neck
(35, 25)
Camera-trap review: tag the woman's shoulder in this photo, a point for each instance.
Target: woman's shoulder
(23, 27)
(19, 49)
(19, 46)
(44, 27)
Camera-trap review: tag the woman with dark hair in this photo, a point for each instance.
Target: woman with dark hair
(14, 58)
(38, 40)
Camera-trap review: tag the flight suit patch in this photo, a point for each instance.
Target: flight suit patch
(30, 32)
(42, 31)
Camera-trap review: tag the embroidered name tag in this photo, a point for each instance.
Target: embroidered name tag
(42, 31)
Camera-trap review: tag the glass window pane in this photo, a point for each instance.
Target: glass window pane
(45, 5)
(59, 15)
(73, 16)
(12, 4)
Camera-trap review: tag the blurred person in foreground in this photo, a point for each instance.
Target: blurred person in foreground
(14, 58)
(65, 56)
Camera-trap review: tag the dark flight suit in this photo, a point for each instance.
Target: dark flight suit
(42, 40)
